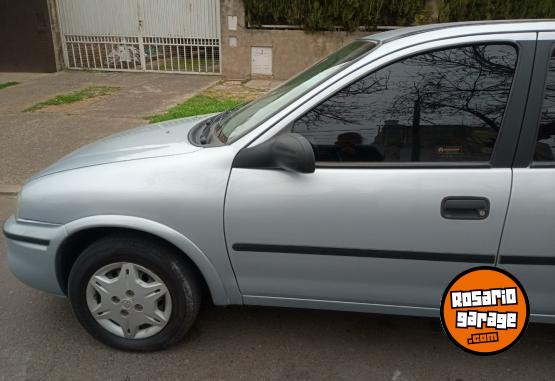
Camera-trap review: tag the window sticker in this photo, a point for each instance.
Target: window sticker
(484, 310)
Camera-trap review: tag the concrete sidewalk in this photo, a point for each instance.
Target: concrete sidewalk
(32, 141)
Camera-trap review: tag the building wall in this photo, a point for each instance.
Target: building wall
(26, 36)
(56, 34)
(292, 50)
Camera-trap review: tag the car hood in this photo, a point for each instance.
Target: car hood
(155, 140)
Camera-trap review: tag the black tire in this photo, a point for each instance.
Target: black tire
(181, 281)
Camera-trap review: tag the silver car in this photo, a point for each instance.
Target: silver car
(366, 183)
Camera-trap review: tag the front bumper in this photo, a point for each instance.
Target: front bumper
(32, 248)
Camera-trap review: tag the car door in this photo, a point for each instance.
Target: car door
(528, 246)
(411, 187)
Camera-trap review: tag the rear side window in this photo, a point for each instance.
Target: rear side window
(439, 106)
(545, 145)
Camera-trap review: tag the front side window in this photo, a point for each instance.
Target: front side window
(440, 106)
(251, 115)
(545, 145)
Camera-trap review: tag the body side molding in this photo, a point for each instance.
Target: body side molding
(365, 253)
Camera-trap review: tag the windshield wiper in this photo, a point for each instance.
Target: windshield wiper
(213, 123)
(204, 137)
(218, 125)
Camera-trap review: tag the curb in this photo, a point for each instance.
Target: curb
(9, 190)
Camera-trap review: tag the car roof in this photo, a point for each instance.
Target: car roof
(459, 28)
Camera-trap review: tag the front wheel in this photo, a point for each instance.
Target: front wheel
(134, 294)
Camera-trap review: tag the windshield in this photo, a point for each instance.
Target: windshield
(245, 119)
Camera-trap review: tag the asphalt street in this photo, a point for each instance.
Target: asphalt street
(41, 340)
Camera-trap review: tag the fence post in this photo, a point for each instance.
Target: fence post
(62, 34)
(140, 36)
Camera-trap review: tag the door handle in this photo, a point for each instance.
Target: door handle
(465, 208)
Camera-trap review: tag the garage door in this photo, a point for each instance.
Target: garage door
(176, 36)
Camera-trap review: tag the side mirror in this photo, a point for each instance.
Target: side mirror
(291, 152)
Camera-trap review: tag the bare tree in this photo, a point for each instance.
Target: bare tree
(455, 82)
(341, 107)
(469, 84)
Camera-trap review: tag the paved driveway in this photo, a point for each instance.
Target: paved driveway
(32, 141)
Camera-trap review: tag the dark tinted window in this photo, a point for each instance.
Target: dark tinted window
(244, 120)
(444, 105)
(545, 146)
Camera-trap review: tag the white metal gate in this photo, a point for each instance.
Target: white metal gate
(176, 36)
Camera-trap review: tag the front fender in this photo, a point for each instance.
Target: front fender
(221, 295)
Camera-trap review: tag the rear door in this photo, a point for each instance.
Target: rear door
(528, 246)
(411, 187)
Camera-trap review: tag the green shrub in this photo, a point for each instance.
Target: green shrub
(351, 14)
(330, 14)
(462, 10)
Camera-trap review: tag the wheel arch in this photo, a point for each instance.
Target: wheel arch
(81, 233)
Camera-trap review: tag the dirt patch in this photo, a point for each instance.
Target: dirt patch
(70, 108)
(239, 90)
(76, 96)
